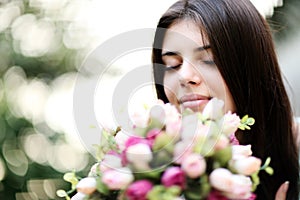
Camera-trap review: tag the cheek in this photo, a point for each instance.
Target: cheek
(219, 89)
(171, 85)
(229, 103)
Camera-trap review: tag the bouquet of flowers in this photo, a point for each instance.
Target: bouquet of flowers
(170, 155)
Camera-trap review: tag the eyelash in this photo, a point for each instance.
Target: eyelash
(207, 62)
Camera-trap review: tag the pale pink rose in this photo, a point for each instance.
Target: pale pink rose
(86, 185)
(213, 109)
(138, 190)
(140, 117)
(230, 123)
(221, 179)
(193, 129)
(221, 142)
(173, 176)
(172, 114)
(121, 139)
(241, 151)
(173, 129)
(241, 188)
(246, 166)
(110, 161)
(181, 150)
(233, 140)
(193, 165)
(117, 179)
(133, 140)
(78, 196)
(140, 155)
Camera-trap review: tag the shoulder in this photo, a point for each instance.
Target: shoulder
(296, 131)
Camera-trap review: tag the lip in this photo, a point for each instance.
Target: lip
(195, 102)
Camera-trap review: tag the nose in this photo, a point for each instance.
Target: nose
(189, 75)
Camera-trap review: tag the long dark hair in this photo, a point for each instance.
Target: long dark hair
(243, 50)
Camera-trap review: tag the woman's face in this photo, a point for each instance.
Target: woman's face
(191, 77)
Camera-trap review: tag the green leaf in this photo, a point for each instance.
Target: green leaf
(101, 187)
(255, 180)
(269, 170)
(71, 178)
(250, 121)
(223, 156)
(61, 193)
(244, 119)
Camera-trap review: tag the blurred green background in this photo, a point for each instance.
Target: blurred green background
(42, 44)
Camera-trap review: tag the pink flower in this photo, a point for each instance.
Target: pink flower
(135, 140)
(78, 196)
(216, 195)
(221, 179)
(121, 139)
(151, 135)
(140, 155)
(138, 190)
(193, 165)
(241, 188)
(181, 150)
(173, 129)
(173, 176)
(117, 179)
(233, 139)
(241, 151)
(230, 123)
(192, 128)
(111, 161)
(140, 117)
(86, 185)
(246, 166)
(221, 142)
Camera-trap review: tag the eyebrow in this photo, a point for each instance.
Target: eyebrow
(202, 48)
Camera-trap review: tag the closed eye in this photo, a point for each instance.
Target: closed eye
(208, 62)
(167, 68)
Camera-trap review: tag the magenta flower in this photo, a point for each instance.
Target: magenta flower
(138, 190)
(135, 140)
(151, 135)
(173, 176)
(216, 195)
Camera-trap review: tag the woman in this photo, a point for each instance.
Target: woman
(224, 49)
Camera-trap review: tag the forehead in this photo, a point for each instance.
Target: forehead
(183, 33)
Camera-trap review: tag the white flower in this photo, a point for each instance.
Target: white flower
(78, 196)
(213, 109)
(110, 161)
(117, 179)
(230, 123)
(246, 166)
(140, 117)
(241, 188)
(221, 179)
(193, 165)
(87, 185)
(140, 155)
(241, 151)
(121, 139)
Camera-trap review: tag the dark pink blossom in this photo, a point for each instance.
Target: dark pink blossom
(173, 176)
(138, 190)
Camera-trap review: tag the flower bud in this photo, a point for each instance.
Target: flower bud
(193, 165)
(87, 185)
